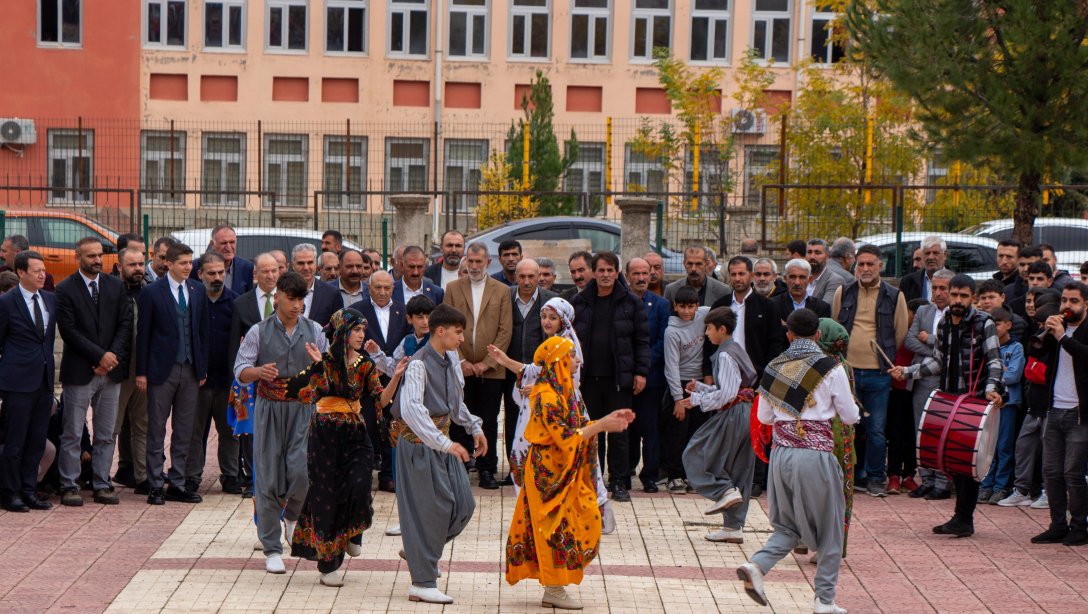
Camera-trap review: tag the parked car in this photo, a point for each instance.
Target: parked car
(53, 234)
(975, 256)
(602, 235)
(1068, 235)
(254, 241)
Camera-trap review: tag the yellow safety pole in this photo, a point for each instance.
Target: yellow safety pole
(608, 160)
(956, 182)
(695, 171)
(525, 168)
(868, 156)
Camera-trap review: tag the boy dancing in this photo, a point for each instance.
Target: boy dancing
(434, 499)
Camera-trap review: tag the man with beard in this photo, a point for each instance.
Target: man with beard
(211, 400)
(822, 283)
(968, 360)
(509, 257)
(1008, 254)
(412, 282)
(94, 318)
(453, 249)
(329, 264)
(710, 290)
(648, 404)
(657, 272)
(578, 264)
(130, 428)
(546, 278)
(350, 282)
(765, 278)
(796, 297)
(918, 284)
(332, 242)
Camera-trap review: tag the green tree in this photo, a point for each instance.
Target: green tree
(547, 164)
(995, 83)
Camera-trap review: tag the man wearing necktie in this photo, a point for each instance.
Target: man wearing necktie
(27, 331)
(172, 364)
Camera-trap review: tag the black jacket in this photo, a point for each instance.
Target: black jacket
(326, 301)
(89, 330)
(912, 286)
(763, 336)
(1077, 347)
(783, 306)
(126, 364)
(245, 315)
(630, 333)
(527, 335)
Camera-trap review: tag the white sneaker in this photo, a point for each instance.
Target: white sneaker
(752, 577)
(1016, 499)
(731, 498)
(729, 536)
(354, 550)
(332, 578)
(273, 563)
(393, 531)
(1042, 503)
(428, 595)
(819, 607)
(557, 597)
(608, 519)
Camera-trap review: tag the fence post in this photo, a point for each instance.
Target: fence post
(608, 161)
(721, 224)
(4, 229)
(410, 224)
(147, 230)
(385, 239)
(635, 225)
(897, 204)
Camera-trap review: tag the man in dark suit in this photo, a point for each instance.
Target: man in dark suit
(172, 364)
(759, 330)
(453, 249)
(323, 300)
(95, 321)
(509, 257)
(255, 305)
(765, 278)
(239, 270)
(130, 428)
(797, 276)
(527, 298)
(412, 282)
(919, 283)
(28, 328)
(387, 325)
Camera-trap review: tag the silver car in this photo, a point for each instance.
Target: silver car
(974, 256)
(1068, 236)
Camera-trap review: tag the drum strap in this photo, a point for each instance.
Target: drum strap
(948, 426)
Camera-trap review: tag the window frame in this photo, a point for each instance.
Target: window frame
(60, 43)
(281, 190)
(164, 25)
(527, 12)
(471, 11)
(285, 27)
(644, 167)
(226, 47)
(593, 14)
(713, 16)
(220, 200)
(406, 7)
(586, 167)
(753, 189)
(70, 194)
(463, 203)
(651, 16)
(829, 51)
(347, 6)
(341, 202)
(407, 188)
(710, 156)
(164, 159)
(770, 17)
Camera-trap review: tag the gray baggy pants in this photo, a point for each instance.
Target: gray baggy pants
(280, 430)
(101, 395)
(719, 456)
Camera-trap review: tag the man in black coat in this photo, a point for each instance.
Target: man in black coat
(611, 325)
(453, 249)
(759, 330)
(95, 320)
(917, 284)
(797, 275)
(130, 428)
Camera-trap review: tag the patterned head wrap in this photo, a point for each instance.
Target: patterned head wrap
(555, 374)
(566, 314)
(340, 324)
(833, 338)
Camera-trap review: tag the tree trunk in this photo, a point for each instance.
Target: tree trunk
(1028, 196)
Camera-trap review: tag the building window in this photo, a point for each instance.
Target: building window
(652, 27)
(587, 172)
(59, 22)
(710, 31)
(345, 171)
(771, 30)
(71, 165)
(468, 29)
(223, 174)
(225, 24)
(408, 26)
(345, 26)
(589, 29)
(164, 23)
(759, 162)
(285, 27)
(464, 159)
(406, 165)
(530, 23)
(163, 168)
(285, 168)
(642, 172)
(825, 49)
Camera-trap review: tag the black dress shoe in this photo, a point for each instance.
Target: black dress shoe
(488, 481)
(1050, 536)
(620, 493)
(192, 485)
(15, 504)
(507, 481)
(1076, 537)
(921, 491)
(173, 493)
(34, 503)
(955, 527)
(143, 488)
(939, 494)
(231, 486)
(155, 497)
(125, 478)
(650, 487)
(387, 485)
(757, 490)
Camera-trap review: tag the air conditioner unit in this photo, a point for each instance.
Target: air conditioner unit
(15, 131)
(748, 122)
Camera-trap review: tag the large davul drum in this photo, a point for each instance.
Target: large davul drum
(958, 434)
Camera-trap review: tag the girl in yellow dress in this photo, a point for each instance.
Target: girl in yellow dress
(556, 527)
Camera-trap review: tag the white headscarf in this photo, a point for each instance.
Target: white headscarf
(566, 315)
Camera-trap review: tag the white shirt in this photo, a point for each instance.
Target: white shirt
(174, 285)
(711, 398)
(260, 300)
(525, 306)
(309, 298)
(738, 308)
(937, 317)
(831, 396)
(447, 276)
(87, 282)
(477, 300)
(250, 347)
(1065, 387)
(416, 415)
(383, 317)
(812, 283)
(409, 293)
(29, 298)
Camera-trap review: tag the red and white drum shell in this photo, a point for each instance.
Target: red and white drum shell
(957, 434)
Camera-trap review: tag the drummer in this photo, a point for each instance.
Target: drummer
(968, 361)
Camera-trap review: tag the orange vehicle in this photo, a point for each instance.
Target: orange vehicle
(53, 234)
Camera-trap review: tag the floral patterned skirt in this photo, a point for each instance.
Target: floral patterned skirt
(338, 507)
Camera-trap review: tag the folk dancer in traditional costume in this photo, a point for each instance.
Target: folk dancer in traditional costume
(556, 317)
(340, 456)
(275, 346)
(556, 527)
(801, 391)
(434, 499)
(719, 460)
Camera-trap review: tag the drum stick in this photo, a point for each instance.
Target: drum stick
(876, 348)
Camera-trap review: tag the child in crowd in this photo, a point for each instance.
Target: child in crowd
(991, 296)
(998, 482)
(683, 365)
